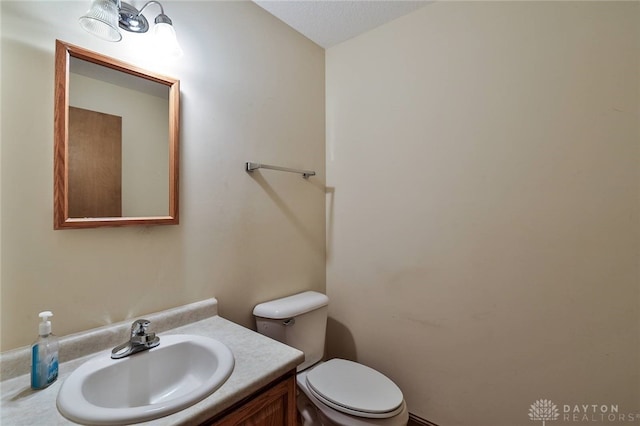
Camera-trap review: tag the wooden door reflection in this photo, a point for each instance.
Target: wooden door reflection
(95, 166)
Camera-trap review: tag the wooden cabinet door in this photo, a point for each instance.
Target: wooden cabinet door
(275, 406)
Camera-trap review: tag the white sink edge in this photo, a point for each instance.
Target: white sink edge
(72, 405)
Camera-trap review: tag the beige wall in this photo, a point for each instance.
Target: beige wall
(483, 234)
(252, 90)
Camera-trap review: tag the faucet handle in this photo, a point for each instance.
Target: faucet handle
(140, 327)
(140, 340)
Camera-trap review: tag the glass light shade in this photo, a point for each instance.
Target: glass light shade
(101, 20)
(165, 39)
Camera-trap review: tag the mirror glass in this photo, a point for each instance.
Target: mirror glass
(116, 144)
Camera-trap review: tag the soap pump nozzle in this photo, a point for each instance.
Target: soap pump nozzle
(44, 328)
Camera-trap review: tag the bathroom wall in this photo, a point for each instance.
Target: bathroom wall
(252, 90)
(483, 220)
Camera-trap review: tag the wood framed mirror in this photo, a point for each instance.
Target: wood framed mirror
(116, 142)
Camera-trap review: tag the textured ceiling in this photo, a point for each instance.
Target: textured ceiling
(329, 22)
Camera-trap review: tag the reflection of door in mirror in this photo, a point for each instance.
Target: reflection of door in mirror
(95, 164)
(144, 110)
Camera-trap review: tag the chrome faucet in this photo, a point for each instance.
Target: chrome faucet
(141, 340)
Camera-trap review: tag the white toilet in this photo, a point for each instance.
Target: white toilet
(335, 392)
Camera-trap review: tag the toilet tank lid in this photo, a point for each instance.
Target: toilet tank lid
(291, 306)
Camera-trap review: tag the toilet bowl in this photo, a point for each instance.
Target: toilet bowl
(334, 392)
(358, 401)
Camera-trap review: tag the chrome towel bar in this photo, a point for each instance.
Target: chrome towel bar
(249, 167)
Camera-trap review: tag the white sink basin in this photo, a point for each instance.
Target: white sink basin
(183, 370)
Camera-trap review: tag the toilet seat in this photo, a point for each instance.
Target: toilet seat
(355, 389)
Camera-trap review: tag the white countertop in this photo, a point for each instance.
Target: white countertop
(258, 361)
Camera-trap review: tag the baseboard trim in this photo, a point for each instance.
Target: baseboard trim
(419, 421)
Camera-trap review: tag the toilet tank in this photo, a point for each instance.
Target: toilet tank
(299, 321)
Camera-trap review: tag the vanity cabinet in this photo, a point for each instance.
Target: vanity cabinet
(273, 405)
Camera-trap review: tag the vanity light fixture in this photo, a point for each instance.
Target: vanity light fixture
(105, 16)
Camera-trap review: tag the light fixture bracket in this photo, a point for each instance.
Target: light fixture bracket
(163, 19)
(132, 20)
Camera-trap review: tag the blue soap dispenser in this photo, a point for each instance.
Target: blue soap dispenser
(44, 355)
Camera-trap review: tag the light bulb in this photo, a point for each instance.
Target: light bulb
(165, 39)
